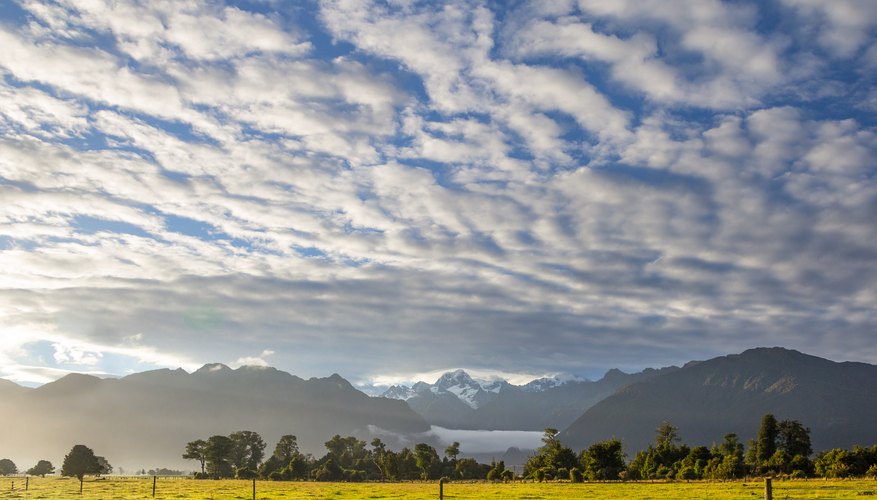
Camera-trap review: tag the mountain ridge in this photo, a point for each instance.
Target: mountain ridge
(706, 399)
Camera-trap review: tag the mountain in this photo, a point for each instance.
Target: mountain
(145, 419)
(458, 401)
(705, 400)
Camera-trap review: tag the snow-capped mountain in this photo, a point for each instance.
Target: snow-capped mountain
(457, 384)
(457, 400)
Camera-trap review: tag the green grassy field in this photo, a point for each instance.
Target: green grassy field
(131, 488)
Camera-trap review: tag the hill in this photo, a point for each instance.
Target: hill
(707, 399)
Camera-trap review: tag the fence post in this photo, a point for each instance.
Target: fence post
(768, 489)
(153, 486)
(441, 489)
(254, 488)
(26, 482)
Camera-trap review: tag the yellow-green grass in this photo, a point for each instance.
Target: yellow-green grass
(141, 488)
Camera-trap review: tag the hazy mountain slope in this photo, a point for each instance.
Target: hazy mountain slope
(146, 419)
(557, 406)
(838, 401)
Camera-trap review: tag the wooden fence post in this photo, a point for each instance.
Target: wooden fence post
(153, 486)
(441, 489)
(768, 489)
(254, 488)
(26, 482)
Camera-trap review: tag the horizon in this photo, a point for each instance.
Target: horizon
(391, 190)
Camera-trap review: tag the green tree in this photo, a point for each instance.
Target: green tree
(666, 434)
(79, 462)
(468, 468)
(604, 460)
(7, 467)
(248, 449)
(219, 455)
(42, 468)
(103, 466)
(794, 438)
(766, 443)
(426, 458)
(453, 451)
(551, 456)
(286, 448)
(196, 450)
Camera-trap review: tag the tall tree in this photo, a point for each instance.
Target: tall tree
(426, 457)
(453, 451)
(766, 443)
(286, 449)
(248, 449)
(197, 450)
(666, 434)
(794, 438)
(219, 454)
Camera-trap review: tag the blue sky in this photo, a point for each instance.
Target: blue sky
(390, 189)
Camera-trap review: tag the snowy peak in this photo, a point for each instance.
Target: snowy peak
(470, 391)
(545, 383)
(399, 392)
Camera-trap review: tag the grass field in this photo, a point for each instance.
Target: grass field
(131, 488)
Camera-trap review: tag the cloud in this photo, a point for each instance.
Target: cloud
(386, 192)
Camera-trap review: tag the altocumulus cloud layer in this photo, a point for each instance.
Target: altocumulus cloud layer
(394, 187)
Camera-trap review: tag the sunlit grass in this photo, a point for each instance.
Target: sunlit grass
(141, 488)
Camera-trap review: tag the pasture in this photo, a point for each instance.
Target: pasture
(168, 488)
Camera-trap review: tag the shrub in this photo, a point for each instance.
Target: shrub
(575, 475)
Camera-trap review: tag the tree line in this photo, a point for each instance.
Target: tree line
(241, 455)
(781, 448)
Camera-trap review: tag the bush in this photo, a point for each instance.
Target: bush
(275, 476)
(686, 473)
(562, 473)
(508, 475)
(575, 475)
(872, 472)
(798, 474)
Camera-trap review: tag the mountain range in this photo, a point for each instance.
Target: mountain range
(458, 401)
(145, 419)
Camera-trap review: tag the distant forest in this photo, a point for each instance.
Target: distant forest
(781, 449)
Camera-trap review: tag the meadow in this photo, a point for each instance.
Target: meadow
(167, 488)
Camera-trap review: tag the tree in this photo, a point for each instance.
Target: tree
(666, 434)
(79, 462)
(766, 443)
(286, 448)
(103, 466)
(794, 438)
(603, 460)
(42, 468)
(218, 455)
(426, 458)
(197, 450)
(453, 451)
(248, 449)
(7, 467)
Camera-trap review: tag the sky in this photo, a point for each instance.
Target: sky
(397, 188)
